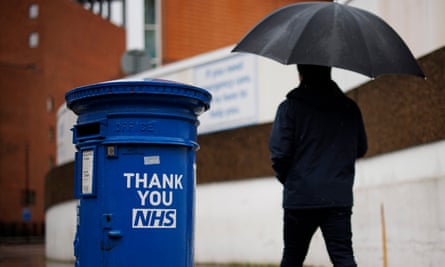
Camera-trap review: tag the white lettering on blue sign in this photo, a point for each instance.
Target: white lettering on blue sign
(154, 218)
(156, 198)
(154, 180)
(156, 192)
(232, 83)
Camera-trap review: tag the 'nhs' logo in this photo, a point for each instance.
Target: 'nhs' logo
(154, 218)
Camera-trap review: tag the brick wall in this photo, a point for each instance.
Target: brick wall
(192, 27)
(75, 47)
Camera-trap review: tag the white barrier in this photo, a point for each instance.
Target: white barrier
(60, 229)
(241, 221)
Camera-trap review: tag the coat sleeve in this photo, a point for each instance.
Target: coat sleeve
(281, 142)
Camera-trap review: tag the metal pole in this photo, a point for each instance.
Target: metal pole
(27, 196)
(108, 10)
(26, 173)
(124, 12)
(385, 252)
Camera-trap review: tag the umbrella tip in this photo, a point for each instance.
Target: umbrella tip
(235, 48)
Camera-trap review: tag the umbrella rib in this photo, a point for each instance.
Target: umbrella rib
(370, 73)
(305, 29)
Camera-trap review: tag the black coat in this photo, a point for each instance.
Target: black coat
(317, 135)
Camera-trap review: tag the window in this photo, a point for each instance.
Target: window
(33, 40)
(33, 11)
(152, 30)
(50, 104)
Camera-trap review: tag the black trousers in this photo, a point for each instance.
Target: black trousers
(301, 224)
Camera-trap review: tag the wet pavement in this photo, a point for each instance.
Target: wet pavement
(33, 255)
(29, 255)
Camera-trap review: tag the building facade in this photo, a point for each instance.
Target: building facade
(53, 46)
(47, 48)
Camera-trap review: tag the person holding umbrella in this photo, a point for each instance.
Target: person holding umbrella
(317, 135)
(318, 132)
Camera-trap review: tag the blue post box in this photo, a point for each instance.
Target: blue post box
(135, 172)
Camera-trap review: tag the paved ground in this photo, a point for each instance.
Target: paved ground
(33, 255)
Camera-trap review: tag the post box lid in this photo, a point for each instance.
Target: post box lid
(138, 87)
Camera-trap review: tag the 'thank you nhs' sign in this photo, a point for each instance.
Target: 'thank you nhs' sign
(232, 83)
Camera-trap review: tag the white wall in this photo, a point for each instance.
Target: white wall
(60, 229)
(65, 148)
(241, 221)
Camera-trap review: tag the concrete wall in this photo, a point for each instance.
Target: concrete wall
(240, 221)
(61, 223)
(409, 185)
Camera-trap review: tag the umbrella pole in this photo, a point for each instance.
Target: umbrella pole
(385, 252)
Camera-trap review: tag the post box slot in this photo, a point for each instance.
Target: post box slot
(86, 130)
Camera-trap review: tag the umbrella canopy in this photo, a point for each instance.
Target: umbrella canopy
(330, 34)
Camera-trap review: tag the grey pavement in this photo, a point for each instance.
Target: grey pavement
(30, 255)
(33, 255)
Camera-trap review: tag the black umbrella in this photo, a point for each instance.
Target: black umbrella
(330, 34)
